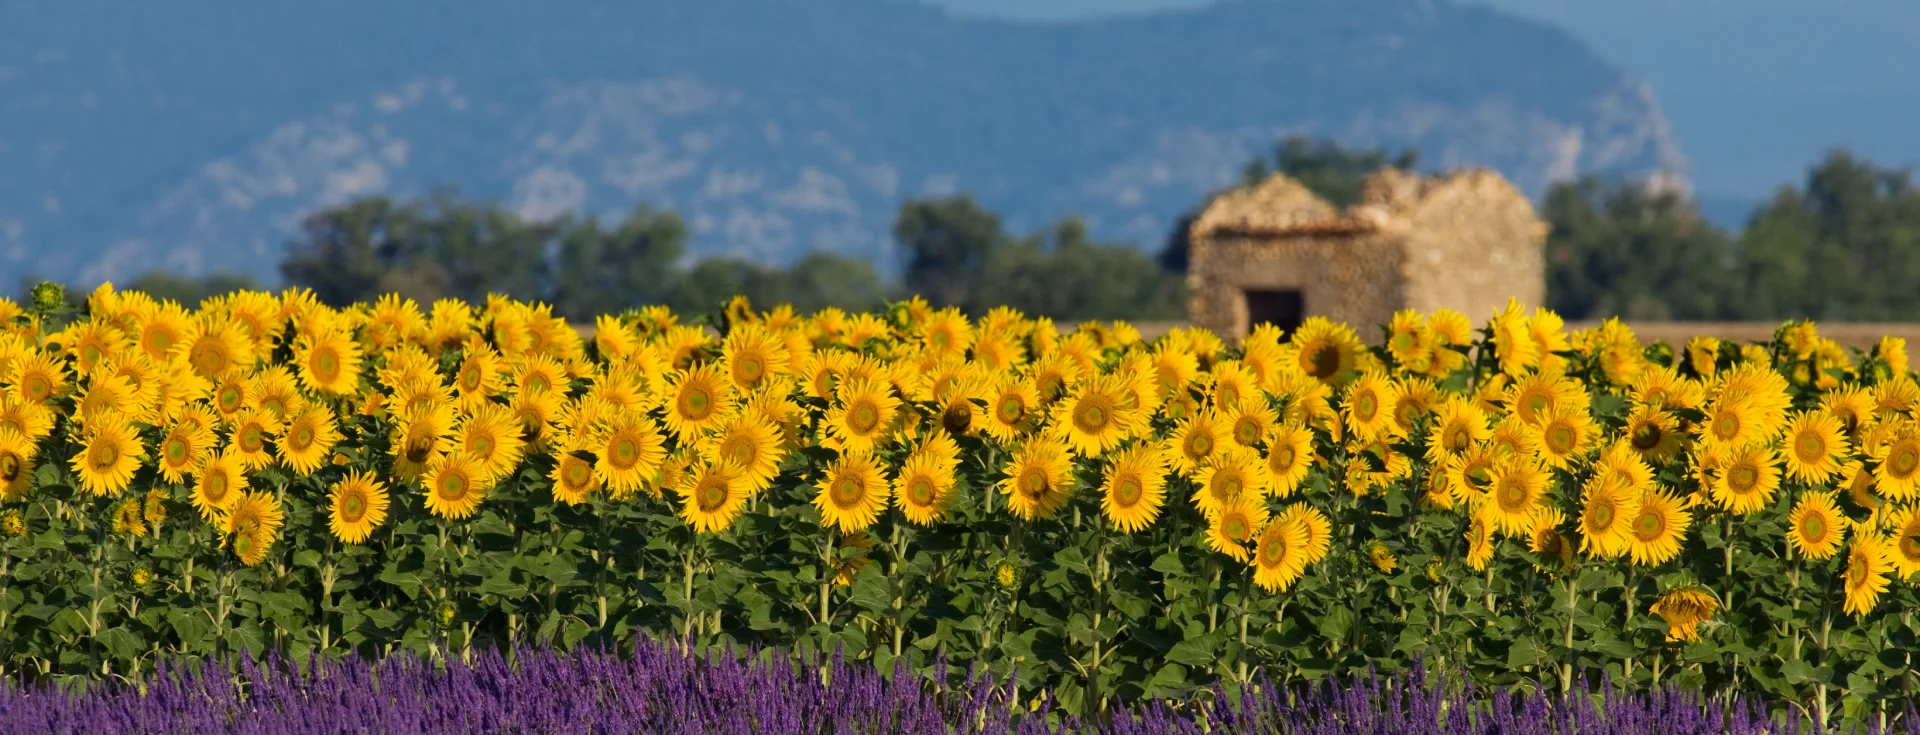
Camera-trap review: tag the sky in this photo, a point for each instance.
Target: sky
(1757, 90)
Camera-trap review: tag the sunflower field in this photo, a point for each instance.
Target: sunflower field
(1098, 518)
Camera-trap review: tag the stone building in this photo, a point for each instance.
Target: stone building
(1277, 253)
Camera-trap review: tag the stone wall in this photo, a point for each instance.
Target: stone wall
(1472, 242)
(1354, 278)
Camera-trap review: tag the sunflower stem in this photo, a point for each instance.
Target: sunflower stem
(1566, 641)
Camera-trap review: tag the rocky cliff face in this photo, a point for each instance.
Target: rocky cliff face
(193, 138)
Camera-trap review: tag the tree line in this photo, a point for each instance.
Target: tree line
(1844, 244)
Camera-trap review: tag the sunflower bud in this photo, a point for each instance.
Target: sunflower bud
(13, 524)
(48, 296)
(142, 575)
(447, 614)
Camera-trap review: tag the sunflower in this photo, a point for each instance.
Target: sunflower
(752, 356)
(1869, 565)
(1038, 481)
(1816, 528)
(1905, 542)
(221, 481)
(1514, 437)
(1249, 423)
(359, 504)
(712, 495)
(1653, 433)
(1324, 349)
(700, 398)
(923, 488)
(16, 465)
(1194, 442)
(329, 362)
(127, 520)
(541, 374)
(37, 377)
(1233, 384)
(106, 394)
(1746, 483)
(421, 439)
(1369, 405)
(142, 380)
(215, 347)
(573, 478)
(1281, 552)
(1289, 457)
(1094, 418)
(847, 566)
(1480, 539)
(865, 410)
(1658, 528)
(31, 420)
(1565, 437)
(162, 328)
(1134, 487)
(480, 376)
(630, 449)
(182, 450)
(1607, 514)
(1469, 477)
(1408, 337)
(853, 493)
(1899, 475)
(308, 439)
(1318, 530)
(1813, 445)
(251, 432)
(1730, 424)
(1514, 348)
(109, 456)
(1620, 466)
(456, 485)
(1458, 426)
(1852, 405)
(252, 523)
(751, 442)
(491, 434)
(1535, 396)
(1546, 540)
(1233, 474)
(1518, 489)
(1233, 529)
(1684, 610)
(1858, 483)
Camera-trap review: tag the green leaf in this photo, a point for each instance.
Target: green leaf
(1335, 624)
(121, 643)
(1199, 650)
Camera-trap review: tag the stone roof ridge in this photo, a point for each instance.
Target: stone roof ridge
(1390, 200)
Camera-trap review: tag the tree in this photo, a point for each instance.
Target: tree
(1620, 249)
(1847, 246)
(947, 241)
(1062, 273)
(635, 263)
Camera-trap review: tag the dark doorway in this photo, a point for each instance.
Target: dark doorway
(1283, 309)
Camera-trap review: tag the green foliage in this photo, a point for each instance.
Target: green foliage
(1843, 246)
(1623, 250)
(958, 255)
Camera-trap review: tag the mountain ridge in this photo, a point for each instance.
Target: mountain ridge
(774, 128)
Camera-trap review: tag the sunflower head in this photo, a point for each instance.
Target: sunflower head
(1684, 609)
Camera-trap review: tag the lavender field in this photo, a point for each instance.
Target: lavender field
(668, 689)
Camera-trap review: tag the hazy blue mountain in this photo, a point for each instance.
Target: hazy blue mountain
(192, 135)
